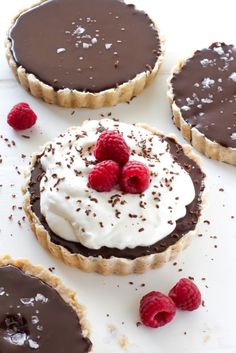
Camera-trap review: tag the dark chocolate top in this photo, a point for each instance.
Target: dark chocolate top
(34, 317)
(205, 91)
(88, 45)
(183, 226)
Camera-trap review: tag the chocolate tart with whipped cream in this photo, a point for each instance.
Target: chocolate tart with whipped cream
(78, 53)
(114, 232)
(202, 92)
(37, 313)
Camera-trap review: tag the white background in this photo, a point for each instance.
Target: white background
(187, 25)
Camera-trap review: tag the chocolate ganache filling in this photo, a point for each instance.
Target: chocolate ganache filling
(183, 225)
(205, 92)
(34, 317)
(90, 45)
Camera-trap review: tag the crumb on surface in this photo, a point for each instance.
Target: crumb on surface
(123, 341)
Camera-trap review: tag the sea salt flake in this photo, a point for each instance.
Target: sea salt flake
(33, 344)
(61, 50)
(86, 45)
(18, 339)
(208, 82)
(41, 298)
(2, 291)
(219, 89)
(219, 50)
(233, 76)
(233, 136)
(206, 100)
(190, 101)
(185, 108)
(94, 40)
(35, 320)
(196, 84)
(108, 45)
(79, 30)
(205, 62)
(27, 301)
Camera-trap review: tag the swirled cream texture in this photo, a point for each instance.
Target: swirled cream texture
(113, 219)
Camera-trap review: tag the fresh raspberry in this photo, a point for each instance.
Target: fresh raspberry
(104, 176)
(111, 145)
(21, 117)
(186, 295)
(135, 177)
(156, 309)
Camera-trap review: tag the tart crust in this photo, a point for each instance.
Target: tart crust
(113, 265)
(67, 295)
(210, 149)
(76, 99)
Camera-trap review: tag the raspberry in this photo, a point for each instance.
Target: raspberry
(156, 309)
(111, 145)
(186, 295)
(21, 117)
(104, 176)
(135, 177)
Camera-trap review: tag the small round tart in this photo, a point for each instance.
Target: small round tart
(78, 53)
(202, 91)
(113, 232)
(37, 313)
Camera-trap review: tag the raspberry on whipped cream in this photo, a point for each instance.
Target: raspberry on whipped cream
(113, 219)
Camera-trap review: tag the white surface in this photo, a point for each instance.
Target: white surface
(187, 25)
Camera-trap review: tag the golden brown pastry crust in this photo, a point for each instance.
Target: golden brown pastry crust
(113, 265)
(67, 295)
(198, 140)
(73, 98)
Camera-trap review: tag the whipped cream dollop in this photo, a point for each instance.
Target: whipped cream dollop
(77, 213)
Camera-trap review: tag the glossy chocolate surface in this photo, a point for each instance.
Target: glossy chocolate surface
(90, 45)
(34, 317)
(183, 226)
(205, 91)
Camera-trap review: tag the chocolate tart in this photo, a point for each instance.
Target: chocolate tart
(77, 53)
(37, 313)
(202, 92)
(111, 259)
